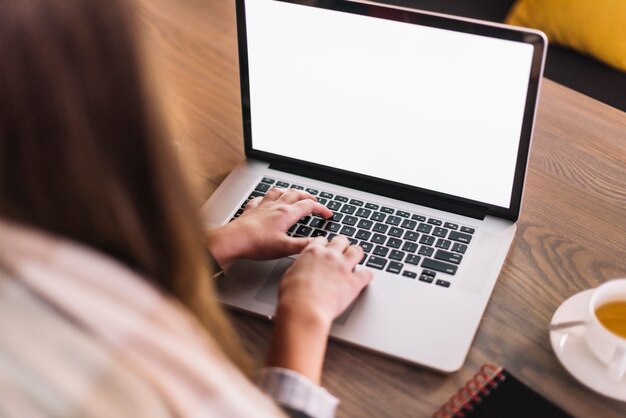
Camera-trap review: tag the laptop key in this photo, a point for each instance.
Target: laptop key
(350, 220)
(382, 228)
(319, 233)
(443, 243)
(376, 262)
(379, 239)
(467, 229)
(363, 259)
(304, 220)
(348, 231)
(429, 273)
(356, 202)
(378, 217)
(410, 247)
(381, 251)
(365, 224)
(396, 255)
(426, 279)
(282, 184)
(352, 241)
(362, 234)
(440, 232)
(268, 180)
(386, 209)
(411, 236)
(409, 274)
(317, 222)
(255, 194)
(435, 222)
(348, 209)
(367, 246)
(395, 232)
(460, 237)
(371, 206)
(304, 230)
(312, 191)
(426, 251)
(262, 187)
(403, 213)
(330, 237)
(332, 226)
(439, 266)
(418, 218)
(341, 198)
(412, 259)
(459, 248)
(424, 228)
(394, 243)
(449, 257)
(427, 240)
(450, 225)
(394, 267)
(393, 220)
(334, 205)
(442, 283)
(322, 200)
(337, 216)
(363, 213)
(408, 224)
(326, 195)
(295, 186)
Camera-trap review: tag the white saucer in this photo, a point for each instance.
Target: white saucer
(572, 351)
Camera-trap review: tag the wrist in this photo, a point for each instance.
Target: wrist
(220, 246)
(299, 341)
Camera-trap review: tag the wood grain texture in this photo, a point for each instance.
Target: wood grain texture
(571, 236)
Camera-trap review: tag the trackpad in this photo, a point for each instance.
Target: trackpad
(269, 290)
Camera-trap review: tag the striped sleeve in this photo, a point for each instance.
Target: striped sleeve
(297, 395)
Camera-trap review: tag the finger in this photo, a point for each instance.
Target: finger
(318, 242)
(273, 194)
(364, 277)
(353, 254)
(293, 195)
(339, 243)
(307, 207)
(296, 245)
(253, 203)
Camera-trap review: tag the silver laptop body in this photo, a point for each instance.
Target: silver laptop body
(415, 121)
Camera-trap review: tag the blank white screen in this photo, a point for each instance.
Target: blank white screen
(426, 107)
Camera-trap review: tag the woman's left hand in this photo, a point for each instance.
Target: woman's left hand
(260, 233)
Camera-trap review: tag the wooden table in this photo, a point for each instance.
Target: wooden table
(571, 236)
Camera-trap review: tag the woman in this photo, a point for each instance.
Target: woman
(107, 306)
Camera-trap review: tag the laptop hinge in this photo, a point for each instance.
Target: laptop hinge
(388, 190)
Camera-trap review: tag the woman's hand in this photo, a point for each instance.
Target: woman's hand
(316, 289)
(261, 231)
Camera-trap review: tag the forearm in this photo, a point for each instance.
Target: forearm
(299, 342)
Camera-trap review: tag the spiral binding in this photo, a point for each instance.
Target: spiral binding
(472, 393)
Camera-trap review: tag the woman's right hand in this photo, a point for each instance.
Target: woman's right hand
(316, 289)
(323, 281)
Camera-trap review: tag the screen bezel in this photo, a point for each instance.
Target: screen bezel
(388, 188)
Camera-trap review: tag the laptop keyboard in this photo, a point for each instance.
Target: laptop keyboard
(408, 244)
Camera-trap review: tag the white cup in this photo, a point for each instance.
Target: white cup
(608, 347)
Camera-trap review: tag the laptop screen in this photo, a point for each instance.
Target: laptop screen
(426, 107)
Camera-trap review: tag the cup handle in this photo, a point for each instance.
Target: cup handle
(617, 367)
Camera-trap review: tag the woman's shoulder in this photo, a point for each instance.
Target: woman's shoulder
(51, 367)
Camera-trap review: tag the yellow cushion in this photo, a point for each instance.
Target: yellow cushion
(593, 27)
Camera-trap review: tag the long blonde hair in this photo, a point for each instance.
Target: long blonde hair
(82, 156)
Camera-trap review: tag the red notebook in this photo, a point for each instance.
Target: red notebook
(494, 392)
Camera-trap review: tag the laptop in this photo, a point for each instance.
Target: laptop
(414, 128)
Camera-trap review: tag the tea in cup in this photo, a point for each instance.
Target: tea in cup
(606, 327)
